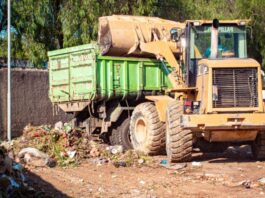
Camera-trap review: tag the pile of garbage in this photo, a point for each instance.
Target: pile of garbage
(63, 145)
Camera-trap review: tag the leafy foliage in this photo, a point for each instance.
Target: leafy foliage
(43, 25)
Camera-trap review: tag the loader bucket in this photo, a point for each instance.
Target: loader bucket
(120, 35)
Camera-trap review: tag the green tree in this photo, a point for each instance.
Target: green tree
(43, 25)
(37, 28)
(254, 10)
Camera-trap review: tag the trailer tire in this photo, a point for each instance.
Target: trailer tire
(113, 138)
(146, 129)
(178, 140)
(123, 134)
(258, 146)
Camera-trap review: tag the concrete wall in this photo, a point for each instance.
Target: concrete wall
(30, 102)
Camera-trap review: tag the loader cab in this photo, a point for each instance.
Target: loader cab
(232, 43)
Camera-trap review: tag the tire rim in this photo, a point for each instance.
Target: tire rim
(140, 130)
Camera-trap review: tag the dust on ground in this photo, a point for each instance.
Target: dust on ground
(231, 174)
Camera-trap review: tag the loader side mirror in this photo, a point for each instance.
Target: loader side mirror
(174, 34)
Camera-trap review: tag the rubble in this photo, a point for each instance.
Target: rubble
(13, 182)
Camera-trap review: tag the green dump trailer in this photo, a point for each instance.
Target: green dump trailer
(102, 91)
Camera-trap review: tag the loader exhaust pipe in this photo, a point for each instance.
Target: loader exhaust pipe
(214, 39)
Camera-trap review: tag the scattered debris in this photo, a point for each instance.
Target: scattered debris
(262, 181)
(59, 126)
(71, 154)
(245, 183)
(196, 164)
(94, 152)
(163, 162)
(67, 127)
(141, 161)
(116, 149)
(33, 156)
(100, 161)
(118, 164)
(142, 182)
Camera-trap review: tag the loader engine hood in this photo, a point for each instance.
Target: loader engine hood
(229, 63)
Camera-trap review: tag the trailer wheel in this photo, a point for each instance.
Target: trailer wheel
(123, 134)
(113, 138)
(178, 140)
(258, 146)
(146, 129)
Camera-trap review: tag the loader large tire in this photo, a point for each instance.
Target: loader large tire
(146, 129)
(178, 140)
(258, 146)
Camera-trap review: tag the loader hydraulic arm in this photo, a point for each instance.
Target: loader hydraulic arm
(162, 50)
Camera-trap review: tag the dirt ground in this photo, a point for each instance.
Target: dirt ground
(231, 174)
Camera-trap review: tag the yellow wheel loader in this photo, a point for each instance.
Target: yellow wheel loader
(216, 94)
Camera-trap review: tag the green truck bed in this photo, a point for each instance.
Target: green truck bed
(80, 74)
